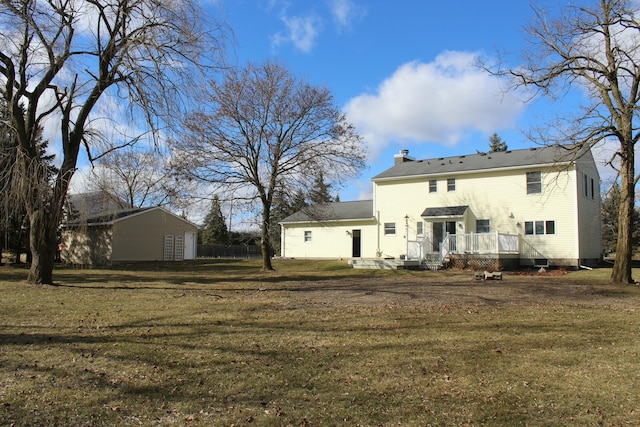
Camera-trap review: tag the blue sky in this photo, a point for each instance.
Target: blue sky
(401, 70)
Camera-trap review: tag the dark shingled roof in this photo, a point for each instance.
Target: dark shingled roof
(105, 217)
(482, 161)
(442, 212)
(338, 211)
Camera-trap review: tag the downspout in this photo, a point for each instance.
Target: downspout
(282, 240)
(378, 251)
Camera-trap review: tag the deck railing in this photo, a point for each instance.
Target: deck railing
(480, 243)
(472, 243)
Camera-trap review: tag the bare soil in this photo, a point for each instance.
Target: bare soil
(451, 288)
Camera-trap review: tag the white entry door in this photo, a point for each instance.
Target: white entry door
(190, 245)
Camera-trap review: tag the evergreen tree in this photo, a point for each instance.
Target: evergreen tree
(496, 143)
(214, 230)
(320, 191)
(14, 224)
(282, 208)
(298, 202)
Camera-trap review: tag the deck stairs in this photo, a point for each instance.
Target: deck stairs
(432, 261)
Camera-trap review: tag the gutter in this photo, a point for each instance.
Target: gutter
(473, 171)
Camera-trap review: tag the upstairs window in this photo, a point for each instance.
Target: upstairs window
(307, 236)
(451, 184)
(534, 182)
(433, 186)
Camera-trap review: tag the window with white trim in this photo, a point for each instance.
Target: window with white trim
(539, 227)
(451, 184)
(389, 228)
(307, 235)
(420, 228)
(534, 182)
(483, 226)
(433, 186)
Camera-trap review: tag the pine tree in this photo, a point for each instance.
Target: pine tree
(14, 224)
(282, 208)
(320, 191)
(214, 230)
(496, 143)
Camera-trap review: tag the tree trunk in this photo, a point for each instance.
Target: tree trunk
(43, 244)
(44, 210)
(264, 240)
(621, 272)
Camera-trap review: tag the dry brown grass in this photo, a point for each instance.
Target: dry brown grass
(316, 343)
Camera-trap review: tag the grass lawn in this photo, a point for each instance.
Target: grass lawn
(220, 343)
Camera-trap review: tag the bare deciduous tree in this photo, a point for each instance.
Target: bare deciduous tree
(596, 48)
(138, 177)
(62, 60)
(268, 131)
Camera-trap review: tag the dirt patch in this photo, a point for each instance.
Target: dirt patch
(460, 288)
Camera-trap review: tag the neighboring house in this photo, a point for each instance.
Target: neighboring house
(538, 206)
(123, 235)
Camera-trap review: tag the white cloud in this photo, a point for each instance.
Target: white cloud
(344, 12)
(442, 102)
(302, 32)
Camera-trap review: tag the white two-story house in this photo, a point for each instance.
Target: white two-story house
(538, 206)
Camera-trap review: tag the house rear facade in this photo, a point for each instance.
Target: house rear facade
(538, 206)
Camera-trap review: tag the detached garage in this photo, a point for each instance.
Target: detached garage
(138, 234)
